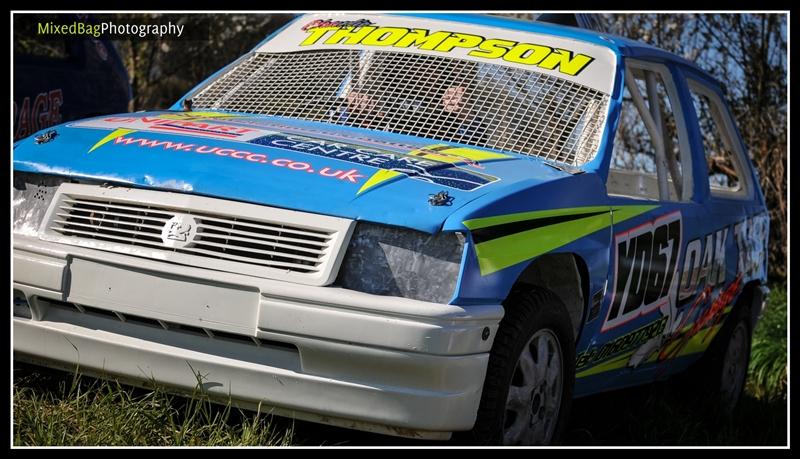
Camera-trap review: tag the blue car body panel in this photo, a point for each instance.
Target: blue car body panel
(509, 184)
(161, 163)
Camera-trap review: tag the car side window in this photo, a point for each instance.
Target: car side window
(724, 162)
(647, 160)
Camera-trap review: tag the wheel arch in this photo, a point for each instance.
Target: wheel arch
(567, 276)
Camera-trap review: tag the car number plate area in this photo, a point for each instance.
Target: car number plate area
(163, 296)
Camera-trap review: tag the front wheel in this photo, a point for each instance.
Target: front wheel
(529, 382)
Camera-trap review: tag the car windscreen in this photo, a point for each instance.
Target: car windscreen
(514, 105)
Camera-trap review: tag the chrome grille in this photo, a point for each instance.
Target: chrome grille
(199, 231)
(253, 242)
(440, 98)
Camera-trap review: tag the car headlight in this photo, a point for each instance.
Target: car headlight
(33, 194)
(384, 260)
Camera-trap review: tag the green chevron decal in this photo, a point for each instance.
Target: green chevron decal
(505, 240)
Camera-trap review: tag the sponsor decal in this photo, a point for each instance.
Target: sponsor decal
(189, 124)
(425, 165)
(350, 176)
(337, 24)
(335, 135)
(505, 240)
(45, 111)
(626, 342)
(691, 333)
(329, 32)
(117, 133)
(692, 318)
(704, 264)
(751, 239)
(645, 269)
(202, 124)
(464, 156)
(703, 269)
(701, 316)
(453, 167)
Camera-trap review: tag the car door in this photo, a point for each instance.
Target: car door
(652, 173)
(735, 221)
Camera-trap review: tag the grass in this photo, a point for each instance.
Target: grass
(768, 377)
(664, 415)
(57, 408)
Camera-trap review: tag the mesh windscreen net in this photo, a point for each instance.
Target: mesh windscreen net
(439, 98)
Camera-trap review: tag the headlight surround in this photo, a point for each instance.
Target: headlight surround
(33, 194)
(384, 260)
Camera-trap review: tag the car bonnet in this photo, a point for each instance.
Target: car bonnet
(306, 166)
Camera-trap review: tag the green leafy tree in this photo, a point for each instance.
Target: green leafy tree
(162, 70)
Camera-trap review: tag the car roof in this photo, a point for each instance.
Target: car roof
(621, 45)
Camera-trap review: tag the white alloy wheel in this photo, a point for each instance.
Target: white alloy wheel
(534, 396)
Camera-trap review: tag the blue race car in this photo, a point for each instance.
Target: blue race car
(417, 225)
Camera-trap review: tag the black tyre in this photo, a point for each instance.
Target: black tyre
(722, 371)
(527, 394)
(734, 365)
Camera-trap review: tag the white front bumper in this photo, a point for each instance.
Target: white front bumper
(326, 354)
